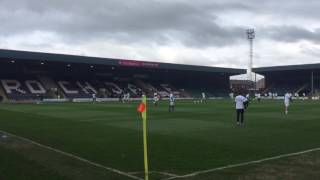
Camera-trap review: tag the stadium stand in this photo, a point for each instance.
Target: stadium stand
(32, 76)
(76, 89)
(295, 79)
(282, 88)
(23, 89)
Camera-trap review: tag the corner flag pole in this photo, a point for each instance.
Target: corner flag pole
(142, 108)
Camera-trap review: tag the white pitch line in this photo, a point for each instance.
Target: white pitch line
(74, 157)
(165, 173)
(243, 164)
(156, 172)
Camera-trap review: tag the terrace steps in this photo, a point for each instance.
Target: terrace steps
(3, 95)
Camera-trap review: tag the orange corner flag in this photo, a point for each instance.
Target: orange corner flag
(141, 108)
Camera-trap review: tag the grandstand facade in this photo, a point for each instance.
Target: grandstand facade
(295, 79)
(30, 76)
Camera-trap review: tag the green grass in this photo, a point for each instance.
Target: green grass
(195, 137)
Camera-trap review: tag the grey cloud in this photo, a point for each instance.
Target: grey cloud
(311, 51)
(193, 24)
(128, 22)
(285, 8)
(291, 34)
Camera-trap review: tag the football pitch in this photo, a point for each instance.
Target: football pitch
(75, 141)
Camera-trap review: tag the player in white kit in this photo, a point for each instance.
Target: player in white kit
(241, 103)
(203, 94)
(287, 98)
(94, 98)
(171, 102)
(155, 99)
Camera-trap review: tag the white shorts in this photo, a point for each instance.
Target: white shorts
(286, 104)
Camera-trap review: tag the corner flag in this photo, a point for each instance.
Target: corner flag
(142, 108)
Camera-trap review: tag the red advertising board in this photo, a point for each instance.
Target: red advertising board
(138, 64)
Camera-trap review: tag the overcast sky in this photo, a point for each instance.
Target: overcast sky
(202, 32)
